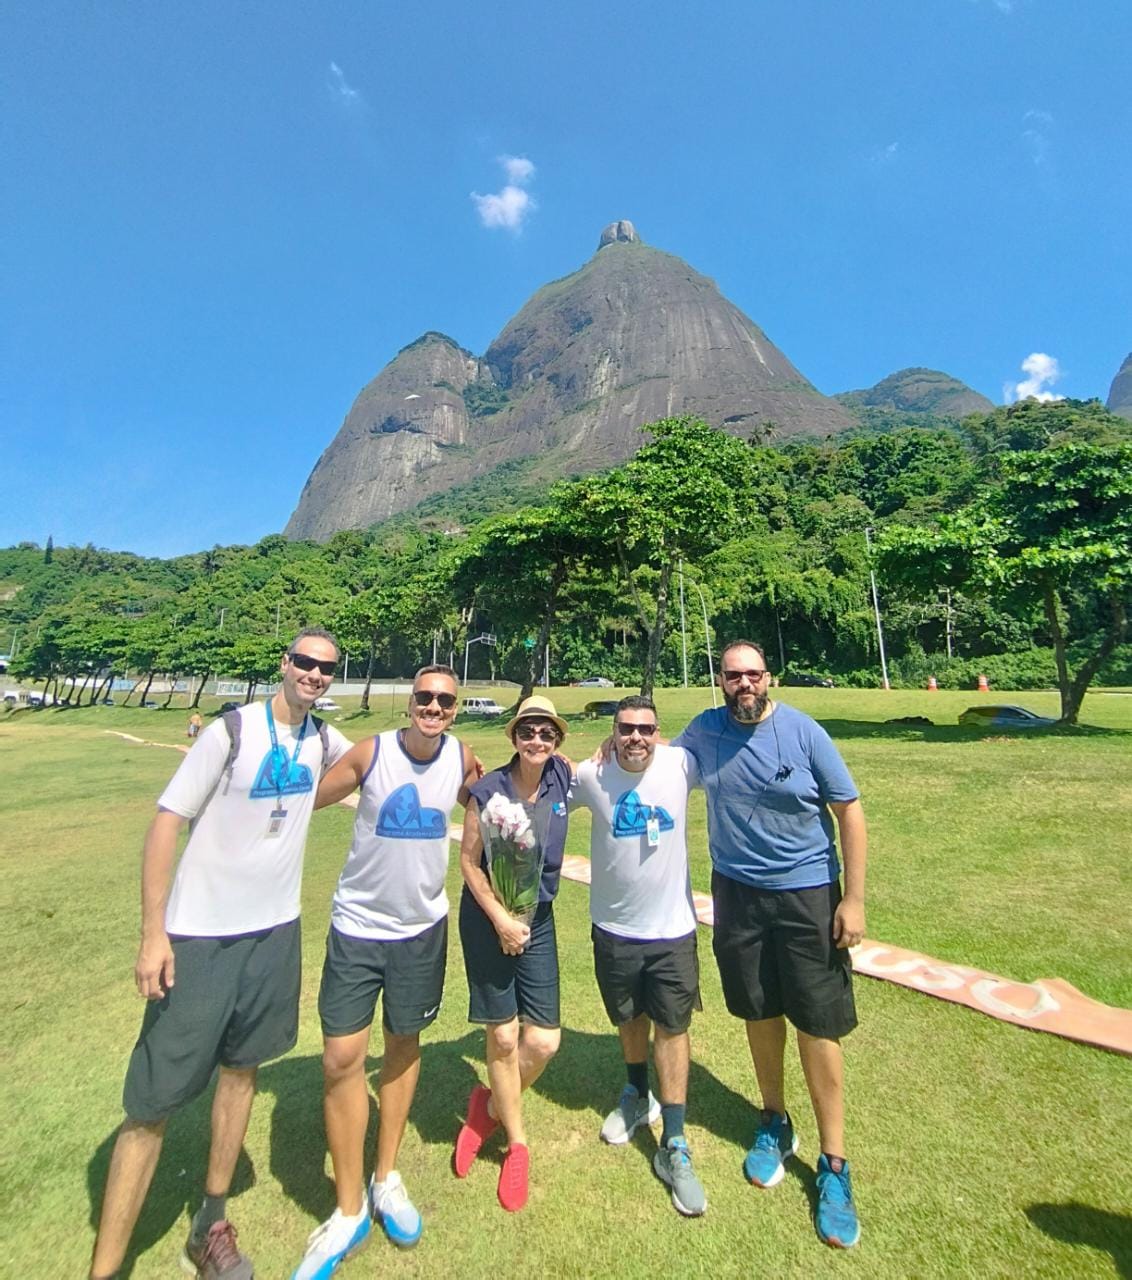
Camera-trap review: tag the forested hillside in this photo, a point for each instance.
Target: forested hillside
(768, 538)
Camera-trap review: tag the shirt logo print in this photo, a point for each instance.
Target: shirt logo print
(279, 775)
(402, 817)
(630, 817)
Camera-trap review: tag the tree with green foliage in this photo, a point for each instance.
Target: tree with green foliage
(680, 497)
(1056, 529)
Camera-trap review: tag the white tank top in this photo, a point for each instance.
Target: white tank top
(392, 885)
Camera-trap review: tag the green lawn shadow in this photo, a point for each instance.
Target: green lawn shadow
(844, 729)
(1081, 1224)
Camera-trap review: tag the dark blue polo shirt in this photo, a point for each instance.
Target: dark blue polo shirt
(550, 814)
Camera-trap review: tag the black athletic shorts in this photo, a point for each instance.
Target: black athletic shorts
(407, 973)
(234, 1002)
(660, 978)
(501, 987)
(776, 955)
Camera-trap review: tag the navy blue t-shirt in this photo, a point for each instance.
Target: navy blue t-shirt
(550, 814)
(767, 787)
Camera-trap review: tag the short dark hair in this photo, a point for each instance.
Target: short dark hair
(314, 633)
(437, 669)
(741, 644)
(638, 701)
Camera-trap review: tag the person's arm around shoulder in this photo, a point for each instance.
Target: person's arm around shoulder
(513, 936)
(154, 967)
(473, 772)
(346, 775)
(849, 918)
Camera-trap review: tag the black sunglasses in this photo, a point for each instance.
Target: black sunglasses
(426, 697)
(306, 663)
(627, 730)
(733, 677)
(529, 732)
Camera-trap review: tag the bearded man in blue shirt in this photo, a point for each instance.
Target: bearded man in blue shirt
(783, 925)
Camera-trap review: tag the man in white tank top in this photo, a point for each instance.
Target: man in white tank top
(388, 937)
(644, 930)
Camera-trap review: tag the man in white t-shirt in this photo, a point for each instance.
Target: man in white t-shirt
(219, 961)
(644, 930)
(388, 939)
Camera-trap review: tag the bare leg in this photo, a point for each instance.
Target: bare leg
(400, 1069)
(673, 1053)
(767, 1041)
(131, 1170)
(537, 1045)
(505, 1078)
(634, 1037)
(346, 1110)
(231, 1109)
(822, 1065)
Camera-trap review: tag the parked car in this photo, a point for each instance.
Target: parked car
(481, 707)
(1004, 716)
(229, 706)
(149, 705)
(594, 709)
(326, 704)
(595, 682)
(805, 679)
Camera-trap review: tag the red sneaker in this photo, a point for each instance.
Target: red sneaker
(513, 1177)
(476, 1129)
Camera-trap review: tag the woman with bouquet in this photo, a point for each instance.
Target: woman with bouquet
(511, 857)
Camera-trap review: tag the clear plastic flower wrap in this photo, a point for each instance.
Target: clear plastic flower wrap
(514, 855)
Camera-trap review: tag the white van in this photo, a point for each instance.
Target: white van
(481, 707)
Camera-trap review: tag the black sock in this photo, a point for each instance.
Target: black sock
(639, 1077)
(672, 1117)
(211, 1210)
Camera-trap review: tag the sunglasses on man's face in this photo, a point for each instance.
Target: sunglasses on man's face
(530, 732)
(733, 677)
(306, 663)
(627, 730)
(426, 697)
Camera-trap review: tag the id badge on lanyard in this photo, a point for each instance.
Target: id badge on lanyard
(279, 813)
(652, 832)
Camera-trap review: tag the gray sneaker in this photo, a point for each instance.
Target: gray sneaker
(215, 1256)
(673, 1166)
(626, 1118)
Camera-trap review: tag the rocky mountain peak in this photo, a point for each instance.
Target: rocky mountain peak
(1120, 393)
(622, 230)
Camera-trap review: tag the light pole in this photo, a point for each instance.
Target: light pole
(707, 645)
(876, 607)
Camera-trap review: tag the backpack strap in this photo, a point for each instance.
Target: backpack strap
(232, 724)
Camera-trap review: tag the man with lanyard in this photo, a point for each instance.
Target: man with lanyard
(782, 924)
(219, 960)
(388, 937)
(644, 930)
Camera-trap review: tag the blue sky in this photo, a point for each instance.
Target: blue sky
(220, 221)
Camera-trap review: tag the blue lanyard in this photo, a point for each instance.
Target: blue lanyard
(275, 752)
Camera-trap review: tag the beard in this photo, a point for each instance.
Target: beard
(746, 713)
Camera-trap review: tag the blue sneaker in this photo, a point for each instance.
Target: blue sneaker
(836, 1218)
(332, 1243)
(775, 1142)
(390, 1205)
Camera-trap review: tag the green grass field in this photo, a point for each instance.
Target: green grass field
(978, 1148)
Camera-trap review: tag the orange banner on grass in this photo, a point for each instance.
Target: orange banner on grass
(1046, 1004)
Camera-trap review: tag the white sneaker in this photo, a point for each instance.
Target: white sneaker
(332, 1243)
(626, 1118)
(390, 1205)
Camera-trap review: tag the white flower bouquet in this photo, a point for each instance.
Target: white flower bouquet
(514, 855)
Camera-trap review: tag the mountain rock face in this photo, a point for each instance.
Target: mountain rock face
(633, 336)
(924, 391)
(1120, 393)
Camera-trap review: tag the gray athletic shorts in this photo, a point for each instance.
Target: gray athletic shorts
(408, 974)
(234, 1003)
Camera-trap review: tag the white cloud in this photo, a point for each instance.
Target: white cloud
(510, 206)
(884, 155)
(1042, 372)
(341, 88)
(1035, 137)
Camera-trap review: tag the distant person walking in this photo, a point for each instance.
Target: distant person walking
(195, 724)
(219, 961)
(512, 966)
(782, 923)
(389, 938)
(644, 931)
